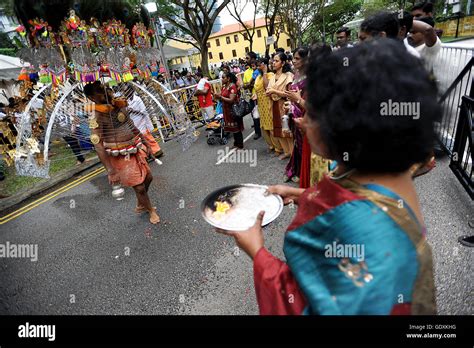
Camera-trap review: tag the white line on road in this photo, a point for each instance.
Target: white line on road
(233, 150)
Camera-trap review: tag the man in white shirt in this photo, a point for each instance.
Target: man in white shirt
(385, 25)
(141, 118)
(423, 38)
(405, 23)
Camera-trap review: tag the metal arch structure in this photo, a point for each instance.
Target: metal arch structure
(176, 123)
(162, 109)
(167, 91)
(53, 117)
(186, 131)
(35, 162)
(29, 166)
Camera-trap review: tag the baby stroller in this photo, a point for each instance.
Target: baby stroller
(215, 131)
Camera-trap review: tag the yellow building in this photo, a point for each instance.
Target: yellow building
(191, 59)
(466, 27)
(229, 43)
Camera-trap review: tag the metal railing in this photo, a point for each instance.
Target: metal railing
(462, 155)
(449, 64)
(185, 95)
(453, 70)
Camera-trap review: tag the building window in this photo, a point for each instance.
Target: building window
(208, 44)
(181, 60)
(210, 55)
(288, 42)
(234, 53)
(246, 36)
(247, 50)
(259, 33)
(218, 43)
(236, 38)
(221, 56)
(227, 40)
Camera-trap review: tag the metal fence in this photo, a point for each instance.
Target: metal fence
(454, 71)
(186, 97)
(449, 64)
(462, 155)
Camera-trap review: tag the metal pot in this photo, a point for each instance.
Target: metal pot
(118, 192)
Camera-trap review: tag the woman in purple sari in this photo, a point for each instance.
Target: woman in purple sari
(296, 110)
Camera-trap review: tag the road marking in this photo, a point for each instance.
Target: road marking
(233, 150)
(34, 204)
(49, 194)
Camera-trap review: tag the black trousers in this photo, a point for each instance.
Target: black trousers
(75, 146)
(256, 121)
(239, 140)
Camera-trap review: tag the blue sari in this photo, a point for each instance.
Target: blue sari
(350, 250)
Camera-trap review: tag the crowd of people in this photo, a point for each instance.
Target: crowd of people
(275, 88)
(319, 108)
(323, 112)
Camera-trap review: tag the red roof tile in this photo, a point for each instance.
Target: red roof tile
(237, 27)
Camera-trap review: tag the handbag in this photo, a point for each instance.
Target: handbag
(240, 109)
(255, 113)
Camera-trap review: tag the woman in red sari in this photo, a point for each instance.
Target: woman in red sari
(230, 95)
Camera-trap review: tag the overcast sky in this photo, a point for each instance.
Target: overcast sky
(227, 19)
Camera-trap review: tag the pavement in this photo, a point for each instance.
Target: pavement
(447, 210)
(96, 256)
(9, 203)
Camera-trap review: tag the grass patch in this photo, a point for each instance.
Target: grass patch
(63, 160)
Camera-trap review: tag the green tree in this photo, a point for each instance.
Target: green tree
(5, 41)
(7, 6)
(236, 9)
(330, 18)
(194, 19)
(298, 17)
(271, 11)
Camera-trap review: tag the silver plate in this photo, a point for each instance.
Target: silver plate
(246, 201)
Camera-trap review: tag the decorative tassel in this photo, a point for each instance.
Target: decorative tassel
(33, 76)
(44, 76)
(127, 76)
(23, 75)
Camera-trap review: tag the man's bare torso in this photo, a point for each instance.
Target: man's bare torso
(116, 127)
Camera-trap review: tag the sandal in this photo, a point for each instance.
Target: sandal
(467, 241)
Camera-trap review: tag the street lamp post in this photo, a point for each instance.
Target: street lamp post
(151, 8)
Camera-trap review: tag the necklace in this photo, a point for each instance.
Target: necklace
(343, 175)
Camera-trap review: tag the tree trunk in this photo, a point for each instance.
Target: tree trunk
(204, 59)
